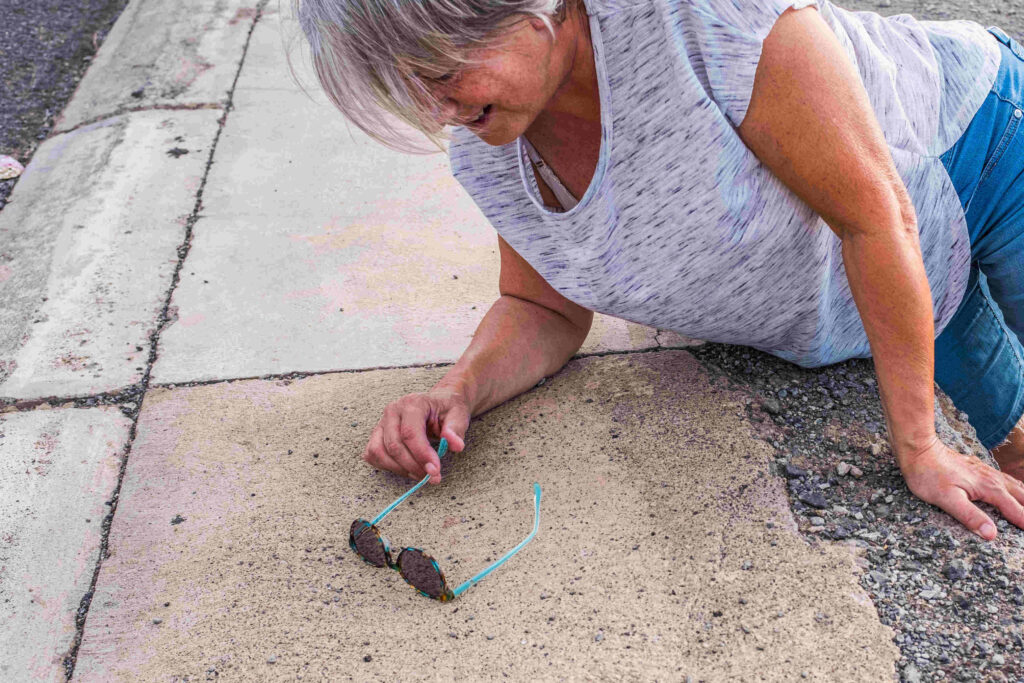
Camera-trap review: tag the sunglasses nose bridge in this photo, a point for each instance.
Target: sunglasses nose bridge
(392, 560)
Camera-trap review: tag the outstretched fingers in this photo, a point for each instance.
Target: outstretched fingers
(956, 502)
(1006, 496)
(1015, 487)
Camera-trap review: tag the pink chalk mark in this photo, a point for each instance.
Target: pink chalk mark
(242, 14)
(332, 292)
(5, 273)
(190, 320)
(190, 71)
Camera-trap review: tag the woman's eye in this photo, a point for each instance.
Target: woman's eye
(443, 78)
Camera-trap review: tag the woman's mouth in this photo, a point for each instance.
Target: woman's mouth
(481, 120)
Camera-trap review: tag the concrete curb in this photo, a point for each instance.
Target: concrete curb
(92, 245)
(181, 55)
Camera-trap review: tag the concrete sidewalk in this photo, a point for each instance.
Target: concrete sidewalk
(210, 289)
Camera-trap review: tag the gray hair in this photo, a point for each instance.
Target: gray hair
(369, 54)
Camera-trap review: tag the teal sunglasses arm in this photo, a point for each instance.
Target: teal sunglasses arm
(536, 523)
(442, 448)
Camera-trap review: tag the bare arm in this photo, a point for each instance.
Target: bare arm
(811, 122)
(529, 332)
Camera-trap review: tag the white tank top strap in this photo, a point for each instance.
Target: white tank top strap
(564, 197)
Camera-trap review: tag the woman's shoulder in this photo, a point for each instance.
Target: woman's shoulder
(481, 168)
(606, 7)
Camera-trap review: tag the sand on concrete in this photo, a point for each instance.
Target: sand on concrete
(666, 546)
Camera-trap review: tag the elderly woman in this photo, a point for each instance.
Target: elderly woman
(815, 183)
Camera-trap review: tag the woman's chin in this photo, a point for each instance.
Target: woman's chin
(495, 134)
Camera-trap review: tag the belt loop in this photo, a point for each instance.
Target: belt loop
(1000, 35)
(1015, 47)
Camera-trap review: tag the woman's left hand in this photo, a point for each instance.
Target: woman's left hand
(952, 481)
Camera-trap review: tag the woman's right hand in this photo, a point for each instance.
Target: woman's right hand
(952, 481)
(399, 443)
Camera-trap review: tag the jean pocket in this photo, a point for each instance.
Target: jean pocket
(1011, 129)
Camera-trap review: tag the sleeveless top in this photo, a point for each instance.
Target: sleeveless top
(683, 228)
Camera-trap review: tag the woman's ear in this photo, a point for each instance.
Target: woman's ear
(537, 24)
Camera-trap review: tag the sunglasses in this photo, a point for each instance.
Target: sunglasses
(420, 570)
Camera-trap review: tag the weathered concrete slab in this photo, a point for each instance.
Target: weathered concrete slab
(88, 246)
(57, 469)
(289, 297)
(277, 58)
(323, 251)
(184, 54)
(666, 546)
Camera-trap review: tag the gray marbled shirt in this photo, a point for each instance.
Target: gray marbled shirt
(683, 228)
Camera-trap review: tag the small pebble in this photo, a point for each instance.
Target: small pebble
(367, 658)
(599, 637)
(158, 621)
(842, 469)
(272, 659)
(956, 570)
(814, 499)
(794, 472)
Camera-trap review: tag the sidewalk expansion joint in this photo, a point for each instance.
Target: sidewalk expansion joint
(139, 390)
(128, 398)
(290, 376)
(196, 106)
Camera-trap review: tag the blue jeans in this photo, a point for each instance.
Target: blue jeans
(979, 360)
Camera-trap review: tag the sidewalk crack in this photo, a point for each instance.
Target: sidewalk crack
(143, 387)
(195, 106)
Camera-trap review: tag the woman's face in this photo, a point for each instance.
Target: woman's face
(500, 95)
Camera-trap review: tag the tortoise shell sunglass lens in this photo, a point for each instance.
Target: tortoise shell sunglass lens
(422, 573)
(367, 543)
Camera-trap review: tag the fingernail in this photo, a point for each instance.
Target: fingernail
(987, 530)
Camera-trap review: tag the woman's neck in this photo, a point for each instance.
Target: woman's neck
(577, 100)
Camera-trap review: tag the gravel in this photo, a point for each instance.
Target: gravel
(953, 601)
(956, 612)
(45, 48)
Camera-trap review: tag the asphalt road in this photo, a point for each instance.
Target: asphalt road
(45, 48)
